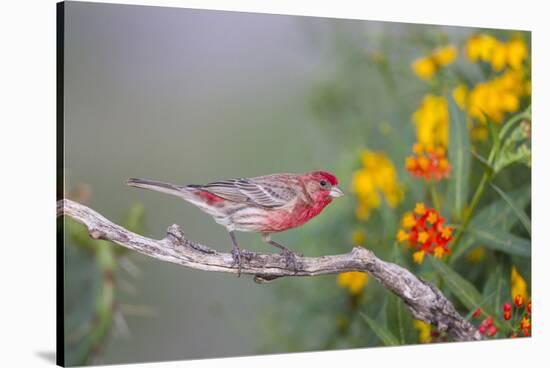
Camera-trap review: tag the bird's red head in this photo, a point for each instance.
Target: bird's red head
(322, 186)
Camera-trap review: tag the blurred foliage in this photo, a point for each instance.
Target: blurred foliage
(434, 130)
(91, 284)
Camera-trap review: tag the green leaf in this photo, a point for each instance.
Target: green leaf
(486, 164)
(459, 157)
(525, 221)
(399, 320)
(383, 333)
(496, 286)
(515, 149)
(497, 214)
(468, 295)
(501, 240)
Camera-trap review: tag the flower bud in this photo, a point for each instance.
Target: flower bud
(519, 300)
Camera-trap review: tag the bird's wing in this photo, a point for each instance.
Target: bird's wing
(262, 191)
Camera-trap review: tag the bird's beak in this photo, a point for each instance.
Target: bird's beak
(336, 192)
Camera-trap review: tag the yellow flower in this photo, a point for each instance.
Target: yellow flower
(516, 53)
(476, 255)
(518, 284)
(355, 282)
(432, 218)
(423, 237)
(420, 209)
(445, 55)
(424, 68)
(358, 237)
(377, 179)
(460, 94)
(498, 57)
(402, 236)
(480, 47)
(447, 232)
(439, 252)
(432, 122)
(408, 220)
(418, 256)
(499, 54)
(497, 97)
(424, 331)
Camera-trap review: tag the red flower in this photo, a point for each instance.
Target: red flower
(428, 163)
(424, 230)
(492, 331)
(487, 327)
(477, 313)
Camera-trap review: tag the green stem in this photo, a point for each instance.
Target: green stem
(513, 120)
(433, 194)
(470, 210)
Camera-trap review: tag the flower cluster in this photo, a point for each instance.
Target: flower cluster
(432, 122)
(426, 67)
(519, 314)
(484, 47)
(487, 327)
(424, 230)
(493, 99)
(375, 179)
(428, 163)
(355, 282)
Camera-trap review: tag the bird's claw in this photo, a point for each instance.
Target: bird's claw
(236, 254)
(290, 259)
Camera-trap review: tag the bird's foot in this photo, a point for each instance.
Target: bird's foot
(236, 254)
(290, 259)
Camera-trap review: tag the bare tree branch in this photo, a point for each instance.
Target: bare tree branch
(422, 299)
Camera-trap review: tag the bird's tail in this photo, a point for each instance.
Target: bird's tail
(158, 186)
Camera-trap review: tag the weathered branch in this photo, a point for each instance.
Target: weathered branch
(423, 300)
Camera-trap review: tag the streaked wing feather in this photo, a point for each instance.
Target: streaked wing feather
(265, 193)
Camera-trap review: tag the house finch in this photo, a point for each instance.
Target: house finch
(264, 204)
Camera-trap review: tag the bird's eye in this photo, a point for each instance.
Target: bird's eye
(323, 183)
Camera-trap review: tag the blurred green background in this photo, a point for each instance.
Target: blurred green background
(192, 96)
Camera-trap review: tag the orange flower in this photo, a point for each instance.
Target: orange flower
(427, 233)
(519, 300)
(428, 163)
(525, 326)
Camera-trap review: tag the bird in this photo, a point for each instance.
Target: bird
(264, 204)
